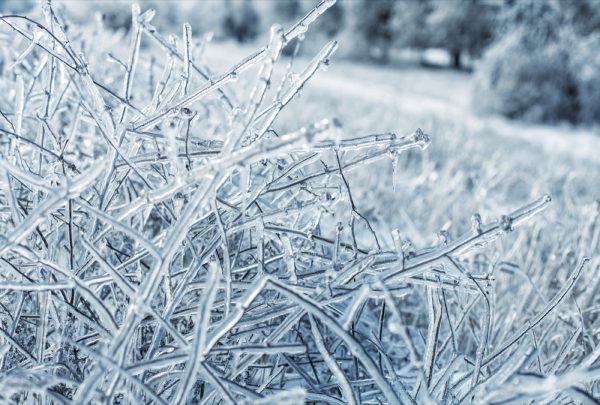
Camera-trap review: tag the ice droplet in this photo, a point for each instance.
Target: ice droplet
(38, 34)
(293, 77)
(394, 171)
(186, 113)
(394, 324)
(397, 240)
(422, 139)
(302, 28)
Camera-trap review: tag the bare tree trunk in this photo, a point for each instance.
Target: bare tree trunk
(456, 62)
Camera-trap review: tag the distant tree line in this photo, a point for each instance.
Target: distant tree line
(537, 60)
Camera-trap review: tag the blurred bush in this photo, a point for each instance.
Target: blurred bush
(520, 80)
(544, 65)
(586, 65)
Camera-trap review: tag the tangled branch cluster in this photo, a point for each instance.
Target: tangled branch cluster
(160, 242)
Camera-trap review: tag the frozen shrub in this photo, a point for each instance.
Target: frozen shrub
(527, 80)
(585, 65)
(163, 241)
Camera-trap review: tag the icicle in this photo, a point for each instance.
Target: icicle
(394, 171)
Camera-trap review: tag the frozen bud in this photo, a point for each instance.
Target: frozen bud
(506, 223)
(302, 28)
(186, 113)
(276, 30)
(331, 272)
(443, 237)
(422, 139)
(325, 197)
(408, 248)
(476, 223)
(178, 203)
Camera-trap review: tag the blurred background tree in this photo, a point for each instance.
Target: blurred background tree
(461, 26)
(376, 27)
(411, 24)
(241, 21)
